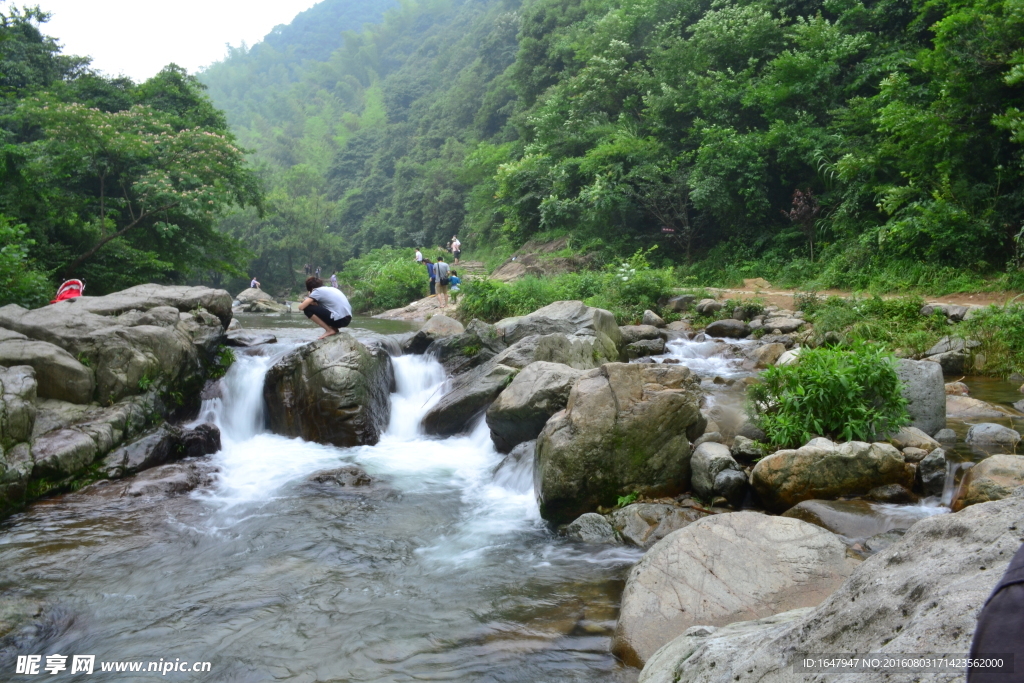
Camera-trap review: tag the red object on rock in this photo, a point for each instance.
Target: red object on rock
(69, 290)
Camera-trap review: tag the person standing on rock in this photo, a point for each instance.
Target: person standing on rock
(326, 306)
(456, 248)
(443, 272)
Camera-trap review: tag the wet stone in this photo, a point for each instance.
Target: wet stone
(880, 542)
(346, 477)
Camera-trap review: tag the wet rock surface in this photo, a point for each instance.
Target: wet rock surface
(469, 396)
(854, 519)
(437, 327)
(335, 391)
(592, 528)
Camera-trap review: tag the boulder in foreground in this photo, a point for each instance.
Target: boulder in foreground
(522, 409)
(921, 594)
(333, 391)
(625, 428)
(722, 569)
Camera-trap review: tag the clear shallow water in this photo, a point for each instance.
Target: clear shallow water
(440, 571)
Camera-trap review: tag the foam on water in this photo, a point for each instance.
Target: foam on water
(256, 466)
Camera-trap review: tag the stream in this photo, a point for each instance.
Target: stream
(438, 571)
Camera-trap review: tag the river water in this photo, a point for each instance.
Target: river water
(439, 571)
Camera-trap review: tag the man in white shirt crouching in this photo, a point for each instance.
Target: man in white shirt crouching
(326, 306)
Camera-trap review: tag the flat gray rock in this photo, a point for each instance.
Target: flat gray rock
(723, 569)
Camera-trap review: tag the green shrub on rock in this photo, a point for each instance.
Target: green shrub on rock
(851, 395)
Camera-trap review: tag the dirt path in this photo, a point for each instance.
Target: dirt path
(759, 288)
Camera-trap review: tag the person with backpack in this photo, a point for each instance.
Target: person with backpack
(443, 272)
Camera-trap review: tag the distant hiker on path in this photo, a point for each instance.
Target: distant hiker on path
(334, 279)
(443, 272)
(318, 271)
(255, 284)
(456, 248)
(419, 255)
(326, 306)
(430, 274)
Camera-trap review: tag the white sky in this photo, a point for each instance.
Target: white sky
(137, 38)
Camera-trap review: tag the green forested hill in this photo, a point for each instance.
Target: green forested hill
(831, 142)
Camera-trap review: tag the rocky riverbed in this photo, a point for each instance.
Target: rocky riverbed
(467, 507)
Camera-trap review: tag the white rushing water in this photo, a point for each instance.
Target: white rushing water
(256, 466)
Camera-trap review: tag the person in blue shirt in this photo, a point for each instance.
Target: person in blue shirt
(430, 274)
(455, 281)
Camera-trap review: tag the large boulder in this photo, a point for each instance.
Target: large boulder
(625, 428)
(522, 409)
(825, 470)
(438, 327)
(130, 339)
(925, 391)
(994, 478)
(469, 396)
(566, 317)
(58, 374)
(635, 333)
(146, 297)
(723, 569)
(921, 594)
(766, 355)
(334, 391)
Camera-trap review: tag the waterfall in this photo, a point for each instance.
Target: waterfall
(255, 465)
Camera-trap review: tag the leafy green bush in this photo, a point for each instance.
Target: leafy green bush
(1001, 333)
(384, 278)
(19, 282)
(843, 395)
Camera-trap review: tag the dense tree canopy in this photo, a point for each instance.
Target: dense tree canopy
(687, 123)
(106, 180)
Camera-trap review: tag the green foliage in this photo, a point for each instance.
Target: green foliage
(384, 278)
(145, 382)
(623, 501)
(114, 182)
(843, 395)
(896, 322)
(222, 362)
(20, 283)
(999, 329)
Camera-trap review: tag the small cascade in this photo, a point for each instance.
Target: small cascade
(705, 358)
(419, 383)
(949, 489)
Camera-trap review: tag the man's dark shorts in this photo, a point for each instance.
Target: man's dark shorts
(457, 254)
(324, 314)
